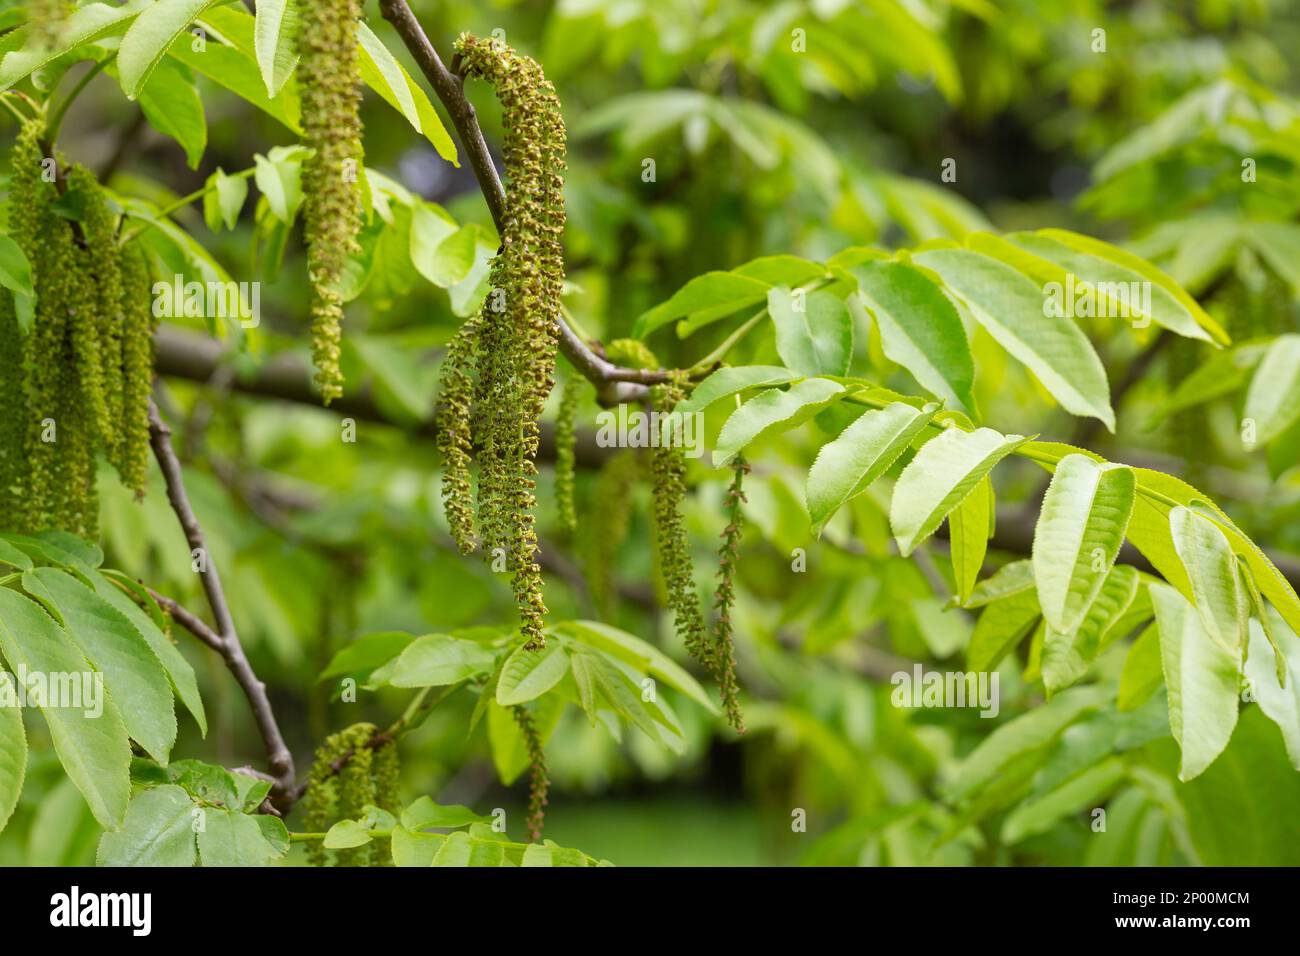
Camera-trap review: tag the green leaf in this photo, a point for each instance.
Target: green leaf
(415, 849)
(1082, 792)
(347, 834)
(862, 453)
(89, 23)
(1003, 624)
(1126, 260)
(133, 676)
(1026, 733)
(970, 526)
(425, 813)
(1012, 578)
(173, 107)
(281, 184)
(224, 200)
(529, 674)
(1203, 678)
(178, 669)
(770, 411)
(236, 70)
(1280, 704)
(1009, 305)
(13, 749)
(1113, 285)
(147, 39)
(641, 656)
(814, 332)
(94, 750)
(938, 479)
(714, 294)
(230, 838)
(729, 381)
(366, 653)
(1142, 672)
(276, 40)
(15, 270)
(158, 831)
(1273, 399)
(14, 557)
(381, 71)
(1212, 571)
(437, 659)
(919, 328)
(1078, 536)
(1067, 655)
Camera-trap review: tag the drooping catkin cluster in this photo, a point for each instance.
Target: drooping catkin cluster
(566, 452)
(331, 124)
(77, 382)
(503, 361)
(714, 650)
(668, 465)
(723, 652)
(539, 782)
(348, 775)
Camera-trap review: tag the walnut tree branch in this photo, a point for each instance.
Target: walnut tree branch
(224, 639)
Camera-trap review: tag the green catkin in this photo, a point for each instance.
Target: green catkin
(539, 782)
(92, 324)
(137, 353)
(77, 383)
(331, 123)
(631, 353)
(517, 329)
(724, 650)
(11, 422)
(566, 447)
(609, 520)
(317, 802)
(346, 776)
(669, 470)
(455, 433)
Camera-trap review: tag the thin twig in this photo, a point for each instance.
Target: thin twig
(224, 639)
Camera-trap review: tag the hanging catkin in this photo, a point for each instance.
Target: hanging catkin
(723, 654)
(77, 381)
(331, 123)
(503, 360)
(669, 470)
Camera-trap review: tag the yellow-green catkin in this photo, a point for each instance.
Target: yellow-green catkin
(517, 330)
(77, 382)
(539, 781)
(347, 776)
(631, 353)
(331, 123)
(455, 433)
(609, 519)
(566, 453)
(668, 465)
(137, 354)
(724, 650)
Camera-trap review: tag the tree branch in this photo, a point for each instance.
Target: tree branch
(197, 358)
(614, 384)
(224, 639)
